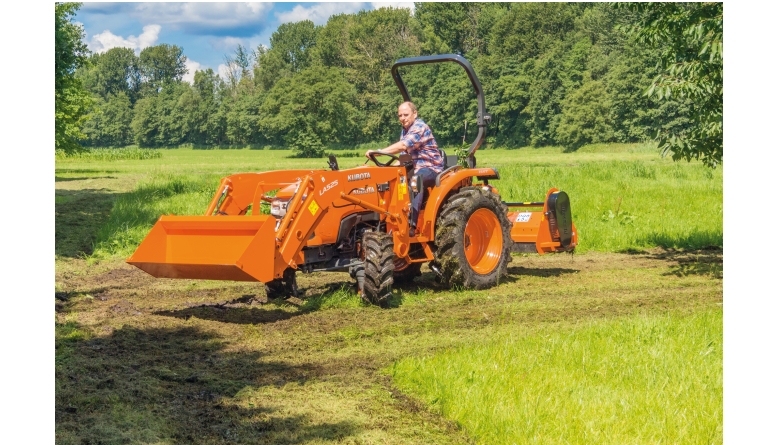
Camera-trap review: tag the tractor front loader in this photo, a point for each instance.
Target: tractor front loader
(356, 221)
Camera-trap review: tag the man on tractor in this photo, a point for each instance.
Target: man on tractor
(417, 140)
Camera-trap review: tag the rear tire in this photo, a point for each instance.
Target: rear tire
(473, 239)
(378, 268)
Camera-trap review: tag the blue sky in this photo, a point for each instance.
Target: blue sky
(206, 31)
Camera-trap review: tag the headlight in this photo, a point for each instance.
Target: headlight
(278, 207)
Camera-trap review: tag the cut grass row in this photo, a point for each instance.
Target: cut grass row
(621, 200)
(646, 379)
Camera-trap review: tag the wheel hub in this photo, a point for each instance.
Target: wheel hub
(483, 241)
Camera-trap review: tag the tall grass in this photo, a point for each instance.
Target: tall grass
(111, 154)
(645, 379)
(134, 214)
(621, 205)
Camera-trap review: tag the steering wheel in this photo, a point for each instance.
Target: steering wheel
(393, 158)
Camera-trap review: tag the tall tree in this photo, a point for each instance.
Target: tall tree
(162, 64)
(203, 108)
(463, 26)
(691, 64)
(293, 42)
(72, 101)
(365, 45)
(110, 122)
(311, 109)
(118, 71)
(238, 66)
(289, 52)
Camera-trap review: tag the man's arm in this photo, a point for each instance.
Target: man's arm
(396, 148)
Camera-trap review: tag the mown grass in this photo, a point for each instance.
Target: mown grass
(624, 197)
(142, 360)
(646, 379)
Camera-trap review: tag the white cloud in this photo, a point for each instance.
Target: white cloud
(192, 66)
(107, 40)
(205, 18)
(378, 5)
(320, 12)
(149, 36)
(227, 44)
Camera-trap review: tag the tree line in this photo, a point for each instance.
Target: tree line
(564, 74)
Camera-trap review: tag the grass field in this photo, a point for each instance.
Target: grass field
(621, 200)
(620, 343)
(641, 379)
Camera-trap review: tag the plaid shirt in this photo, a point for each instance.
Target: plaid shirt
(421, 145)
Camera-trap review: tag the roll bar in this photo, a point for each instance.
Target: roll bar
(482, 118)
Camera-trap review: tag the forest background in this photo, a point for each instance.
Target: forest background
(553, 74)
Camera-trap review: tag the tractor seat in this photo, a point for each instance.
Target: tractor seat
(449, 161)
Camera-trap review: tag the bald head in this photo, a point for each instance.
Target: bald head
(407, 113)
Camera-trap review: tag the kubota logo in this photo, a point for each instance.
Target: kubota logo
(363, 191)
(358, 176)
(328, 187)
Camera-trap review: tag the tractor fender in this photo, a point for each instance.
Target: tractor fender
(448, 183)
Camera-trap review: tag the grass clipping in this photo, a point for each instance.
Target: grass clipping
(632, 380)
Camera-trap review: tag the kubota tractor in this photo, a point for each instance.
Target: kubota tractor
(356, 221)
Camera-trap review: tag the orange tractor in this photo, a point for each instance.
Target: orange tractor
(356, 221)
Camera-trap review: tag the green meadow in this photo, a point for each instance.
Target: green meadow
(620, 343)
(624, 197)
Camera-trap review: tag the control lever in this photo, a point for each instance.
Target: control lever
(333, 162)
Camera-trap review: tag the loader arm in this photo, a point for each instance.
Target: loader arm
(236, 192)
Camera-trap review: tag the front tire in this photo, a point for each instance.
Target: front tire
(473, 240)
(378, 268)
(283, 287)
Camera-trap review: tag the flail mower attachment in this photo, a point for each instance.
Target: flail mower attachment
(547, 229)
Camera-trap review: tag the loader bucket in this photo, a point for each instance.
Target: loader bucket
(239, 248)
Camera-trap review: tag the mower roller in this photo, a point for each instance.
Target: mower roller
(357, 220)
